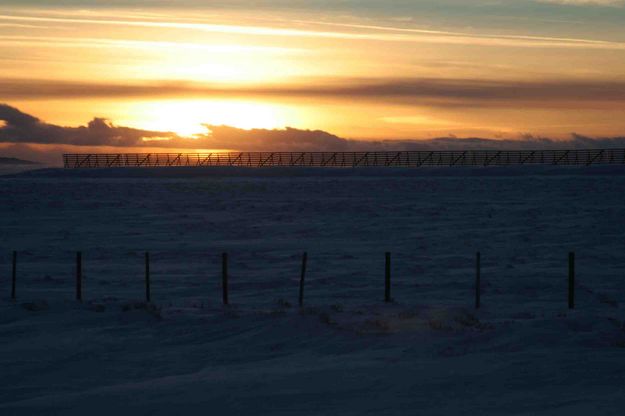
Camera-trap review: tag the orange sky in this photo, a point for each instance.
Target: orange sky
(405, 71)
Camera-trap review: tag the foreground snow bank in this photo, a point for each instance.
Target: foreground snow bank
(115, 357)
(346, 352)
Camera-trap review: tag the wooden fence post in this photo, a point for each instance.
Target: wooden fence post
(387, 278)
(478, 272)
(14, 276)
(148, 297)
(79, 276)
(571, 280)
(301, 280)
(224, 277)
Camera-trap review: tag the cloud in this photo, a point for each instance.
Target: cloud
(354, 32)
(407, 91)
(27, 137)
(288, 139)
(86, 42)
(585, 2)
(19, 127)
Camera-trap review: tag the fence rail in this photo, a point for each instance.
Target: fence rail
(79, 276)
(413, 159)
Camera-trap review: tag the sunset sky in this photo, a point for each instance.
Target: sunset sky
(361, 69)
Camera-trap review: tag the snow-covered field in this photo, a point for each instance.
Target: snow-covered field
(345, 352)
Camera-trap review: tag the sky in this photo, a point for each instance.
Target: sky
(172, 72)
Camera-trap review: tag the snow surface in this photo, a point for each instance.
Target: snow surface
(12, 168)
(346, 352)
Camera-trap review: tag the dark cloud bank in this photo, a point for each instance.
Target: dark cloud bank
(407, 91)
(25, 134)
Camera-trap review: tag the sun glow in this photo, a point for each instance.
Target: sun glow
(189, 118)
(178, 69)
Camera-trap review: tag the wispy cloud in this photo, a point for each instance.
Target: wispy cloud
(59, 41)
(585, 2)
(358, 32)
(382, 28)
(23, 26)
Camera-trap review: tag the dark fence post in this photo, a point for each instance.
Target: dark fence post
(14, 275)
(78, 276)
(571, 280)
(224, 277)
(148, 297)
(301, 280)
(387, 278)
(478, 272)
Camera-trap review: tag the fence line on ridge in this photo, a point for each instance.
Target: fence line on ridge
(411, 159)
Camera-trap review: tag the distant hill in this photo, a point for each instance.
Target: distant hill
(15, 161)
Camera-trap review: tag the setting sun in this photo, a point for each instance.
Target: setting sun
(189, 118)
